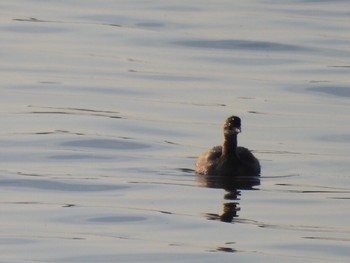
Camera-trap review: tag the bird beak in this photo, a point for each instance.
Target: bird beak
(237, 130)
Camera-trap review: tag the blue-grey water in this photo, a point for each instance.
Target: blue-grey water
(105, 106)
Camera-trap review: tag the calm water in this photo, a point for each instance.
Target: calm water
(105, 106)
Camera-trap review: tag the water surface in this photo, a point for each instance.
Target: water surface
(106, 105)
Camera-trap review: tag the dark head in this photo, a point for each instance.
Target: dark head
(232, 126)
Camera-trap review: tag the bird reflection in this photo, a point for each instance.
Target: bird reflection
(233, 187)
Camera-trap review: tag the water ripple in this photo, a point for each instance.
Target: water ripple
(106, 144)
(238, 44)
(58, 186)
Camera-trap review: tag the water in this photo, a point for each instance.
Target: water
(106, 105)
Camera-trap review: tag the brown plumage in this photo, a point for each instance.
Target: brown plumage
(229, 159)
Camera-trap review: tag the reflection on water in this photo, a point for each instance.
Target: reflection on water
(228, 183)
(230, 209)
(233, 187)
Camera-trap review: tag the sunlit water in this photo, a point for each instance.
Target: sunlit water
(105, 106)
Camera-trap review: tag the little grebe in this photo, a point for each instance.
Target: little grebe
(229, 160)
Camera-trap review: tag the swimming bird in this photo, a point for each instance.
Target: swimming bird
(229, 159)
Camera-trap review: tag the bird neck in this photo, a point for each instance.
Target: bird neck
(230, 146)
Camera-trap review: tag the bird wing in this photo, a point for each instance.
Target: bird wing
(208, 160)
